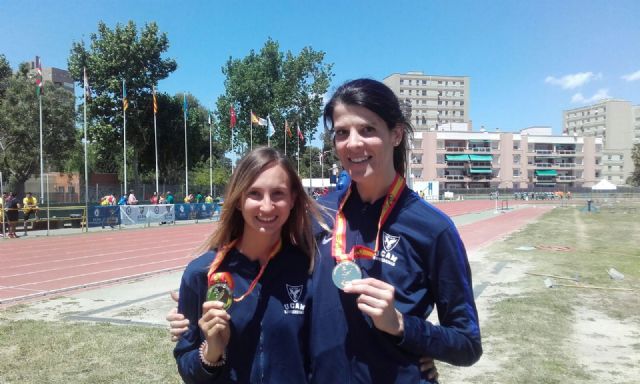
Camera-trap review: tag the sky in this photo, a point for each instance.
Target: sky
(527, 60)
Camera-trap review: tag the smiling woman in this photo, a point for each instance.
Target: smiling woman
(248, 292)
(393, 257)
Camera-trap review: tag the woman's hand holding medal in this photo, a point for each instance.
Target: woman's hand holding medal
(377, 300)
(216, 327)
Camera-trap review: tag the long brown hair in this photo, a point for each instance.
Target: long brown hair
(298, 228)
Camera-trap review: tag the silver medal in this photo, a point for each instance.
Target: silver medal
(345, 272)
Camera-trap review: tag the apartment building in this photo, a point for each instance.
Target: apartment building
(434, 103)
(618, 124)
(530, 158)
(57, 76)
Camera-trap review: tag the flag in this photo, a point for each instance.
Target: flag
(287, 129)
(87, 90)
(39, 82)
(270, 129)
(258, 120)
(300, 135)
(185, 106)
(233, 118)
(125, 101)
(155, 101)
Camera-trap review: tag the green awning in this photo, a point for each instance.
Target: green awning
(481, 157)
(457, 157)
(546, 172)
(480, 170)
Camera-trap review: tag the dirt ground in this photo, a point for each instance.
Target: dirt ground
(607, 348)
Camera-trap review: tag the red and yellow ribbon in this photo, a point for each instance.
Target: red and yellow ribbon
(339, 251)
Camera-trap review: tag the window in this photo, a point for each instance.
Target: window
(401, 81)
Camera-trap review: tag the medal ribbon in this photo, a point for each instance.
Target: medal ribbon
(225, 277)
(339, 245)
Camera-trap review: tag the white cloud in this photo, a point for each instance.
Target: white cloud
(632, 76)
(574, 80)
(600, 95)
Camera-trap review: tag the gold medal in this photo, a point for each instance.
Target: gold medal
(220, 292)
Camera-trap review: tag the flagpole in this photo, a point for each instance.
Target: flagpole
(284, 136)
(251, 129)
(86, 167)
(269, 131)
(41, 154)
(231, 150)
(186, 172)
(298, 139)
(155, 136)
(210, 160)
(124, 136)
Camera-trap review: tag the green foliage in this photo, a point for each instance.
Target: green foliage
(5, 74)
(115, 55)
(20, 127)
(281, 85)
(635, 176)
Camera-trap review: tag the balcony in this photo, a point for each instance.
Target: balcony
(566, 165)
(566, 152)
(480, 149)
(454, 177)
(455, 149)
(566, 179)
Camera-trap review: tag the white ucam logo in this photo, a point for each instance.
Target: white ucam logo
(388, 243)
(295, 293)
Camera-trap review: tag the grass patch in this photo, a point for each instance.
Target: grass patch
(67, 352)
(529, 333)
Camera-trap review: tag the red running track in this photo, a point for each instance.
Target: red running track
(35, 267)
(32, 267)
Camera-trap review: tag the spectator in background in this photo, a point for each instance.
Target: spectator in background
(122, 200)
(208, 199)
(198, 197)
(12, 207)
(154, 198)
(3, 200)
(169, 198)
(131, 200)
(189, 198)
(343, 180)
(162, 199)
(30, 207)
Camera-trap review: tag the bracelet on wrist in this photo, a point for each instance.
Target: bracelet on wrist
(207, 363)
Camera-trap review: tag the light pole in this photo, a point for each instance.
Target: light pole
(321, 158)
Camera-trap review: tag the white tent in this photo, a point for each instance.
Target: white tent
(604, 185)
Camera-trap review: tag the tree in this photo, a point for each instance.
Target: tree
(115, 55)
(5, 74)
(275, 84)
(635, 176)
(20, 127)
(171, 139)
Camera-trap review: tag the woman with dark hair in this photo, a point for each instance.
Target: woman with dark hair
(246, 298)
(389, 260)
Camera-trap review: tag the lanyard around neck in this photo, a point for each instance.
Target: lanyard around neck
(225, 277)
(339, 251)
